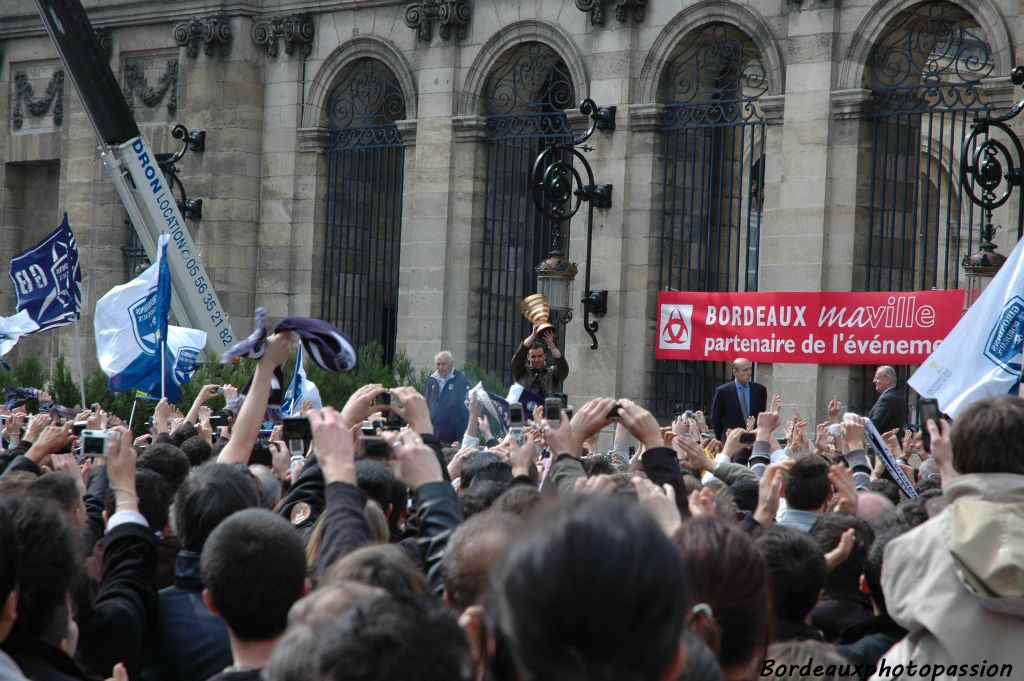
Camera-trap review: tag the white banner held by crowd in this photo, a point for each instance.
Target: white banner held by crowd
(981, 356)
(14, 327)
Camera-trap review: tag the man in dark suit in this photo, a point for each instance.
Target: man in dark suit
(734, 401)
(890, 410)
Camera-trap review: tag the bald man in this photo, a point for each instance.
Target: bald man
(736, 400)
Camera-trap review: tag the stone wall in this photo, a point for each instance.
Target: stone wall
(263, 178)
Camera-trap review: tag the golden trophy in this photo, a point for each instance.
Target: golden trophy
(536, 309)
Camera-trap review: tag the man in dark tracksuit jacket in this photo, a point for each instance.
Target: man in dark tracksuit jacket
(446, 399)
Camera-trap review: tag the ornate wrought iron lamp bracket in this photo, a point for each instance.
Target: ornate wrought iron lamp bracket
(987, 183)
(559, 191)
(195, 141)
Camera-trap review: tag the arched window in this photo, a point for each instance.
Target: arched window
(708, 204)
(525, 95)
(925, 72)
(363, 204)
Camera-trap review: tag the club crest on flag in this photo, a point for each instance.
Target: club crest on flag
(185, 364)
(146, 322)
(1004, 344)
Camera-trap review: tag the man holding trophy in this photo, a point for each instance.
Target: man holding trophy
(530, 367)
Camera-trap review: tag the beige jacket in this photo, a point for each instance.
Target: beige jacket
(956, 583)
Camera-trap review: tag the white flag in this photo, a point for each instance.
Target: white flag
(184, 348)
(14, 327)
(130, 321)
(981, 356)
(300, 390)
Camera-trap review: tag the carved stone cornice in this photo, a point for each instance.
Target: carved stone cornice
(296, 30)
(136, 86)
(312, 139)
(106, 44)
(623, 10)
(24, 96)
(212, 32)
(421, 15)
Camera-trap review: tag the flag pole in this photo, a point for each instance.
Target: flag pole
(131, 417)
(163, 374)
(81, 370)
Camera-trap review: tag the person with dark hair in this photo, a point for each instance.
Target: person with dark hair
(167, 460)
(496, 465)
(254, 569)
(842, 602)
(155, 496)
(518, 500)
(197, 449)
(46, 565)
(559, 589)
(889, 489)
(866, 642)
(730, 593)
(9, 671)
(473, 550)
(796, 574)
(480, 496)
(184, 432)
(965, 561)
(61, 489)
(382, 565)
(530, 367)
(194, 643)
(294, 656)
(807, 491)
(393, 639)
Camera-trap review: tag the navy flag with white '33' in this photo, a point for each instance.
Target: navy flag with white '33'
(47, 279)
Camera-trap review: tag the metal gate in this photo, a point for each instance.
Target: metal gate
(925, 74)
(710, 207)
(525, 97)
(365, 161)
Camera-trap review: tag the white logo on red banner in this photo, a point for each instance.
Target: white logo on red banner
(676, 327)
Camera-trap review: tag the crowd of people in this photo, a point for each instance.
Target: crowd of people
(747, 547)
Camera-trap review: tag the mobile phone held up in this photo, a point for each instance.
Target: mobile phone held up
(515, 419)
(553, 411)
(928, 410)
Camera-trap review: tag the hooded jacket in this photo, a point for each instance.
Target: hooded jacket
(956, 583)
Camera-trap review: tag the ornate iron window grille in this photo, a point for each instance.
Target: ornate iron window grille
(713, 139)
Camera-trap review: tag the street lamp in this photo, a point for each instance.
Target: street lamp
(988, 186)
(558, 191)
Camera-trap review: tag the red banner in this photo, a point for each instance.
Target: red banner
(810, 328)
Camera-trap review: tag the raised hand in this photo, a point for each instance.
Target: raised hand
(835, 408)
(413, 463)
(361, 404)
(769, 491)
(412, 407)
(660, 502)
(334, 444)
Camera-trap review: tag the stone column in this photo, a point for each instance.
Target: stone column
(432, 300)
(794, 249)
(600, 372)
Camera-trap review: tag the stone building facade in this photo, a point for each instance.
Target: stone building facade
(367, 161)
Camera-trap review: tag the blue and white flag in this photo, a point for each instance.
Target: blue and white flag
(48, 280)
(131, 322)
(491, 403)
(11, 329)
(184, 348)
(300, 390)
(981, 356)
